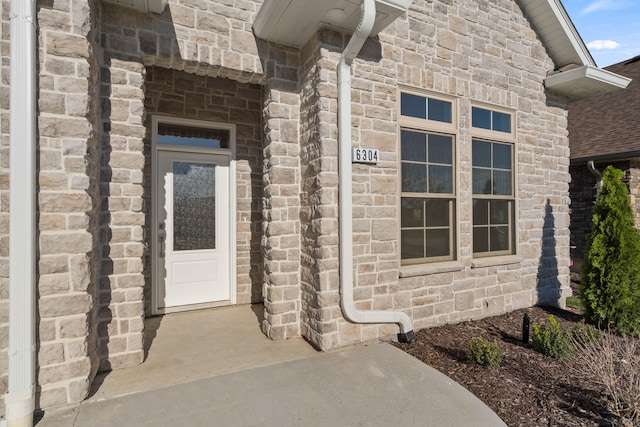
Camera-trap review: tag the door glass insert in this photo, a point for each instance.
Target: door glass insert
(194, 206)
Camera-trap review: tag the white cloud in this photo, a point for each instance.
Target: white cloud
(603, 45)
(605, 5)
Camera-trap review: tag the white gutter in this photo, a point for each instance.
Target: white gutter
(345, 182)
(20, 397)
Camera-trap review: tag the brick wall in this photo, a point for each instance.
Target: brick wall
(582, 193)
(583, 196)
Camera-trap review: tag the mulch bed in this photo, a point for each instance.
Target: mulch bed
(529, 388)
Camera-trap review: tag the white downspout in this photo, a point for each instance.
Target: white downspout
(345, 182)
(592, 168)
(20, 397)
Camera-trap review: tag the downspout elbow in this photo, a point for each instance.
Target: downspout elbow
(592, 168)
(351, 313)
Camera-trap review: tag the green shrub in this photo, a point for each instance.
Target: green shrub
(484, 353)
(552, 340)
(610, 285)
(574, 302)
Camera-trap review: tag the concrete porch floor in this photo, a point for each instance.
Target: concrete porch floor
(188, 346)
(216, 368)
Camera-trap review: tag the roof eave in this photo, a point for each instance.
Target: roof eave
(557, 32)
(292, 22)
(584, 82)
(629, 155)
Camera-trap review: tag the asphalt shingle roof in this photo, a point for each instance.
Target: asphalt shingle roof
(608, 125)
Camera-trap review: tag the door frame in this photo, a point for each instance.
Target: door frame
(228, 152)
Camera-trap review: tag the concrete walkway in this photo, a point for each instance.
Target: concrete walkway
(260, 385)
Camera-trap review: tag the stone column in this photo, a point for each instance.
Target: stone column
(281, 200)
(319, 226)
(122, 218)
(67, 201)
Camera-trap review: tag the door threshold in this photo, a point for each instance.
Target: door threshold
(191, 307)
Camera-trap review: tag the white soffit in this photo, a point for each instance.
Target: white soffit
(585, 81)
(582, 79)
(559, 35)
(293, 22)
(146, 6)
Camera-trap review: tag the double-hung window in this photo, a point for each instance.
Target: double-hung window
(428, 188)
(493, 182)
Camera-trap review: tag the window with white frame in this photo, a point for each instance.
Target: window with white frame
(493, 182)
(428, 170)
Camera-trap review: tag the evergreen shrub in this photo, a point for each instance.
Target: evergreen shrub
(484, 353)
(552, 340)
(610, 284)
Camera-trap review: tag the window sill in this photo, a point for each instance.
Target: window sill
(423, 270)
(497, 260)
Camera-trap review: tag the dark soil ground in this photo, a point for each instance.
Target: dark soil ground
(529, 388)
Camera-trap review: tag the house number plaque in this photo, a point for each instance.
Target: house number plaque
(366, 155)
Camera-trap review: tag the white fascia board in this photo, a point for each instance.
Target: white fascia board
(585, 81)
(572, 34)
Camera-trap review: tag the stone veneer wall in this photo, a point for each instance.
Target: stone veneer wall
(281, 202)
(487, 52)
(67, 200)
(179, 94)
(480, 51)
(319, 198)
(633, 176)
(214, 42)
(4, 200)
(474, 50)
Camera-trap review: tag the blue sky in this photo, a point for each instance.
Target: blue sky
(609, 28)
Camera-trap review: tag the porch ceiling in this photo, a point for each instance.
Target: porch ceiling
(293, 22)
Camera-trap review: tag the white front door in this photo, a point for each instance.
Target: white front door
(192, 226)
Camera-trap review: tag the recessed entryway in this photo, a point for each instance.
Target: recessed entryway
(194, 207)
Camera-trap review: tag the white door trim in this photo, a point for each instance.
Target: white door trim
(231, 154)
